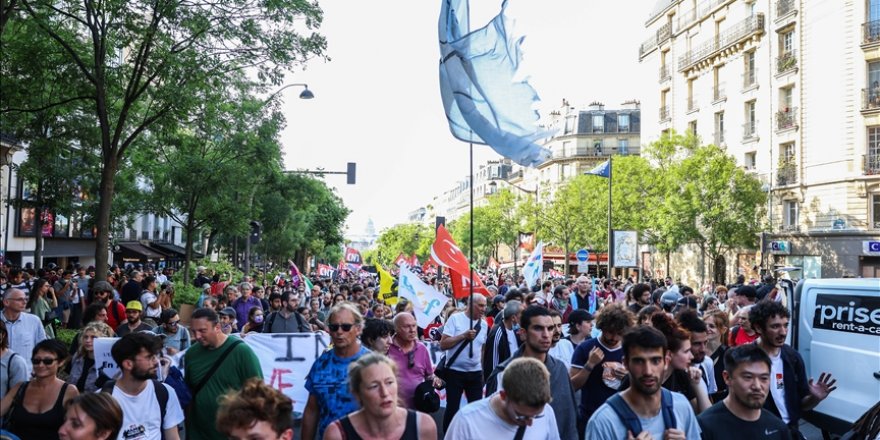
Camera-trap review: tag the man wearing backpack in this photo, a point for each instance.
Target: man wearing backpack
(644, 408)
(150, 408)
(287, 320)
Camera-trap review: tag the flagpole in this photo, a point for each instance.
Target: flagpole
(610, 231)
(471, 250)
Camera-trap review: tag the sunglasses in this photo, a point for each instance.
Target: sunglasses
(336, 327)
(519, 418)
(173, 323)
(44, 361)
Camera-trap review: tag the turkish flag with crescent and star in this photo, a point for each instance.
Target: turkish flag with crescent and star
(461, 285)
(447, 253)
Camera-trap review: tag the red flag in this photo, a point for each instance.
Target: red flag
(447, 253)
(461, 285)
(401, 259)
(325, 270)
(352, 256)
(527, 241)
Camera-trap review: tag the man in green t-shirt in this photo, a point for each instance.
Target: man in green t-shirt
(214, 366)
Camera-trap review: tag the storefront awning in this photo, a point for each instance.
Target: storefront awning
(137, 251)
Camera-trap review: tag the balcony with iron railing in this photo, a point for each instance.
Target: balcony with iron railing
(718, 93)
(871, 32)
(871, 99)
(787, 173)
(665, 75)
(731, 36)
(786, 62)
(750, 79)
(665, 113)
(659, 37)
(786, 119)
(784, 7)
(872, 163)
(690, 16)
(750, 131)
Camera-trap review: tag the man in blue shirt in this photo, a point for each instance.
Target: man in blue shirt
(327, 381)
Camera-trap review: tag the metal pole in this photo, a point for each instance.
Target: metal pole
(6, 219)
(610, 231)
(471, 250)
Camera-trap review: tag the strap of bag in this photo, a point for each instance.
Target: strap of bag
(627, 416)
(666, 407)
(462, 346)
(9, 370)
(162, 397)
(214, 368)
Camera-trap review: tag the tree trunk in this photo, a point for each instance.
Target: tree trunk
(105, 203)
(188, 249)
(667, 264)
(565, 257)
(38, 237)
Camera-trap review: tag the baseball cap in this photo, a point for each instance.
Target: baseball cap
(134, 305)
(688, 301)
(228, 311)
(669, 299)
(206, 286)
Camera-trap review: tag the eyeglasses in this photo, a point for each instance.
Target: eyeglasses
(336, 327)
(519, 418)
(173, 323)
(17, 299)
(44, 361)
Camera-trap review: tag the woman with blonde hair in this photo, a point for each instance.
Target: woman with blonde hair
(83, 370)
(717, 327)
(373, 383)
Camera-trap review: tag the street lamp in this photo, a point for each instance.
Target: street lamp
(305, 94)
(493, 186)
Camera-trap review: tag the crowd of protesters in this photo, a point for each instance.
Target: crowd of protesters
(571, 357)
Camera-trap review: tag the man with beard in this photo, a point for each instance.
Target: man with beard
(741, 413)
(537, 328)
(699, 342)
(561, 348)
(133, 324)
(792, 392)
(287, 320)
(150, 408)
(641, 297)
(215, 366)
(644, 410)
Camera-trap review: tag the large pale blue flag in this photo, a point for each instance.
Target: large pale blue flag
(535, 265)
(485, 102)
(427, 301)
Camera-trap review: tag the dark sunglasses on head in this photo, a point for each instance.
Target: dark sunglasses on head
(344, 327)
(44, 361)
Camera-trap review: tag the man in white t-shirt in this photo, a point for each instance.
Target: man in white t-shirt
(138, 392)
(465, 375)
(150, 299)
(561, 349)
(519, 411)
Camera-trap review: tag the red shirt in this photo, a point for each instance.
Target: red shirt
(111, 318)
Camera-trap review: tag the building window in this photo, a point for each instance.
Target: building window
(749, 69)
(598, 123)
(719, 128)
(692, 127)
(791, 213)
(623, 146)
(623, 122)
(786, 42)
(717, 86)
(566, 149)
(597, 147)
(875, 211)
(872, 158)
(692, 102)
(750, 160)
(749, 126)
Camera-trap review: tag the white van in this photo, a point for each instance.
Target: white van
(835, 326)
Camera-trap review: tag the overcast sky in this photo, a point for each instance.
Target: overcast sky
(377, 102)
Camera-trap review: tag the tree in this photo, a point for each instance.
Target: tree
(141, 61)
(219, 146)
(406, 239)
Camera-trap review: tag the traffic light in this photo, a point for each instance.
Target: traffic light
(351, 173)
(256, 230)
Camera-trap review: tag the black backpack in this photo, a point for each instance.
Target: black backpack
(161, 396)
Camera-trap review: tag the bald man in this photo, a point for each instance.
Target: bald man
(412, 357)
